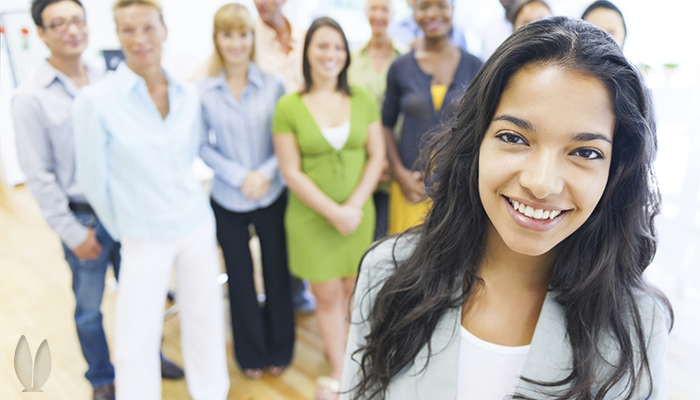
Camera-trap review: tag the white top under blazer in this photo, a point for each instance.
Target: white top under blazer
(487, 371)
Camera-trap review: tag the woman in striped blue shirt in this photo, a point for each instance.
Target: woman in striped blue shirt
(238, 102)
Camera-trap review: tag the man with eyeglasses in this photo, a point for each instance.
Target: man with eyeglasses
(41, 113)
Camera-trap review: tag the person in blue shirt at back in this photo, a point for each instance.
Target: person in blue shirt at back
(136, 135)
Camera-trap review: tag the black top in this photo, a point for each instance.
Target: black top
(408, 93)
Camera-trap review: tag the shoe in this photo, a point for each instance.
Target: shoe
(327, 388)
(304, 302)
(170, 370)
(276, 370)
(252, 373)
(104, 392)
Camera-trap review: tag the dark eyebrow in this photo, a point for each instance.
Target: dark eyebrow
(520, 123)
(589, 137)
(576, 137)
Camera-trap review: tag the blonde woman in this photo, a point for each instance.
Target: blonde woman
(238, 102)
(136, 134)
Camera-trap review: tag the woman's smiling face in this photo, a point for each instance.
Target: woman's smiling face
(545, 158)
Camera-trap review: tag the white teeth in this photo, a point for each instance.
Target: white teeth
(532, 213)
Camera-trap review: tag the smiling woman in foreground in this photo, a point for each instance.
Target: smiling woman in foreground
(526, 278)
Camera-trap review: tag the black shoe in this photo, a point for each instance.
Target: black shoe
(303, 301)
(104, 392)
(170, 370)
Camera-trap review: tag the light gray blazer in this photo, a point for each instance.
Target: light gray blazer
(550, 352)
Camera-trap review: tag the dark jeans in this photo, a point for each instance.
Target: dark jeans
(88, 286)
(381, 205)
(262, 336)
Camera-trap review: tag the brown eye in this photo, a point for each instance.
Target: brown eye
(511, 138)
(589, 154)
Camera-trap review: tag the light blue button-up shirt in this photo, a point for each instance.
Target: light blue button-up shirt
(135, 167)
(237, 137)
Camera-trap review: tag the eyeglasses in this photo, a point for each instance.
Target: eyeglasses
(63, 25)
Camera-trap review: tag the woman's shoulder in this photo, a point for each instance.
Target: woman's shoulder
(270, 78)
(359, 92)
(470, 61)
(358, 52)
(289, 101)
(403, 61)
(655, 314)
(655, 318)
(381, 259)
(205, 84)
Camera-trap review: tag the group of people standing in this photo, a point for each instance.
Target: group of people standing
(315, 149)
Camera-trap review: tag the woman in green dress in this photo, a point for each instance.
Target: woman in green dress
(329, 143)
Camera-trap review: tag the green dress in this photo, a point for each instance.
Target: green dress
(317, 251)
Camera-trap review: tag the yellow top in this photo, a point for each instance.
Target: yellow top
(438, 92)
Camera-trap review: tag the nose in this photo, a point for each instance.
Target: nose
(73, 29)
(433, 11)
(140, 36)
(541, 174)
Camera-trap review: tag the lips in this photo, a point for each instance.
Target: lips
(538, 213)
(142, 53)
(435, 25)
(538, 219)
(330, 65)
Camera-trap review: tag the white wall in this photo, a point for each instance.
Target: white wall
(660, 31)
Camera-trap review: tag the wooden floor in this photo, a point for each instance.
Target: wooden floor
(36, 301)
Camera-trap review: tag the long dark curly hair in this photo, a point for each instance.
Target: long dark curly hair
(597, 271)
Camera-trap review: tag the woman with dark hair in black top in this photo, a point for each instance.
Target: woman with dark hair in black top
(422, 86)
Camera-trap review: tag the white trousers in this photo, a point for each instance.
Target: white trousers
(143, 286)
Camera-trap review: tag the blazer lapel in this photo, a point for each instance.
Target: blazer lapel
(439, 379)
(550, 357)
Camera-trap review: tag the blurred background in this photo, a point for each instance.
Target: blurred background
(663, 40)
